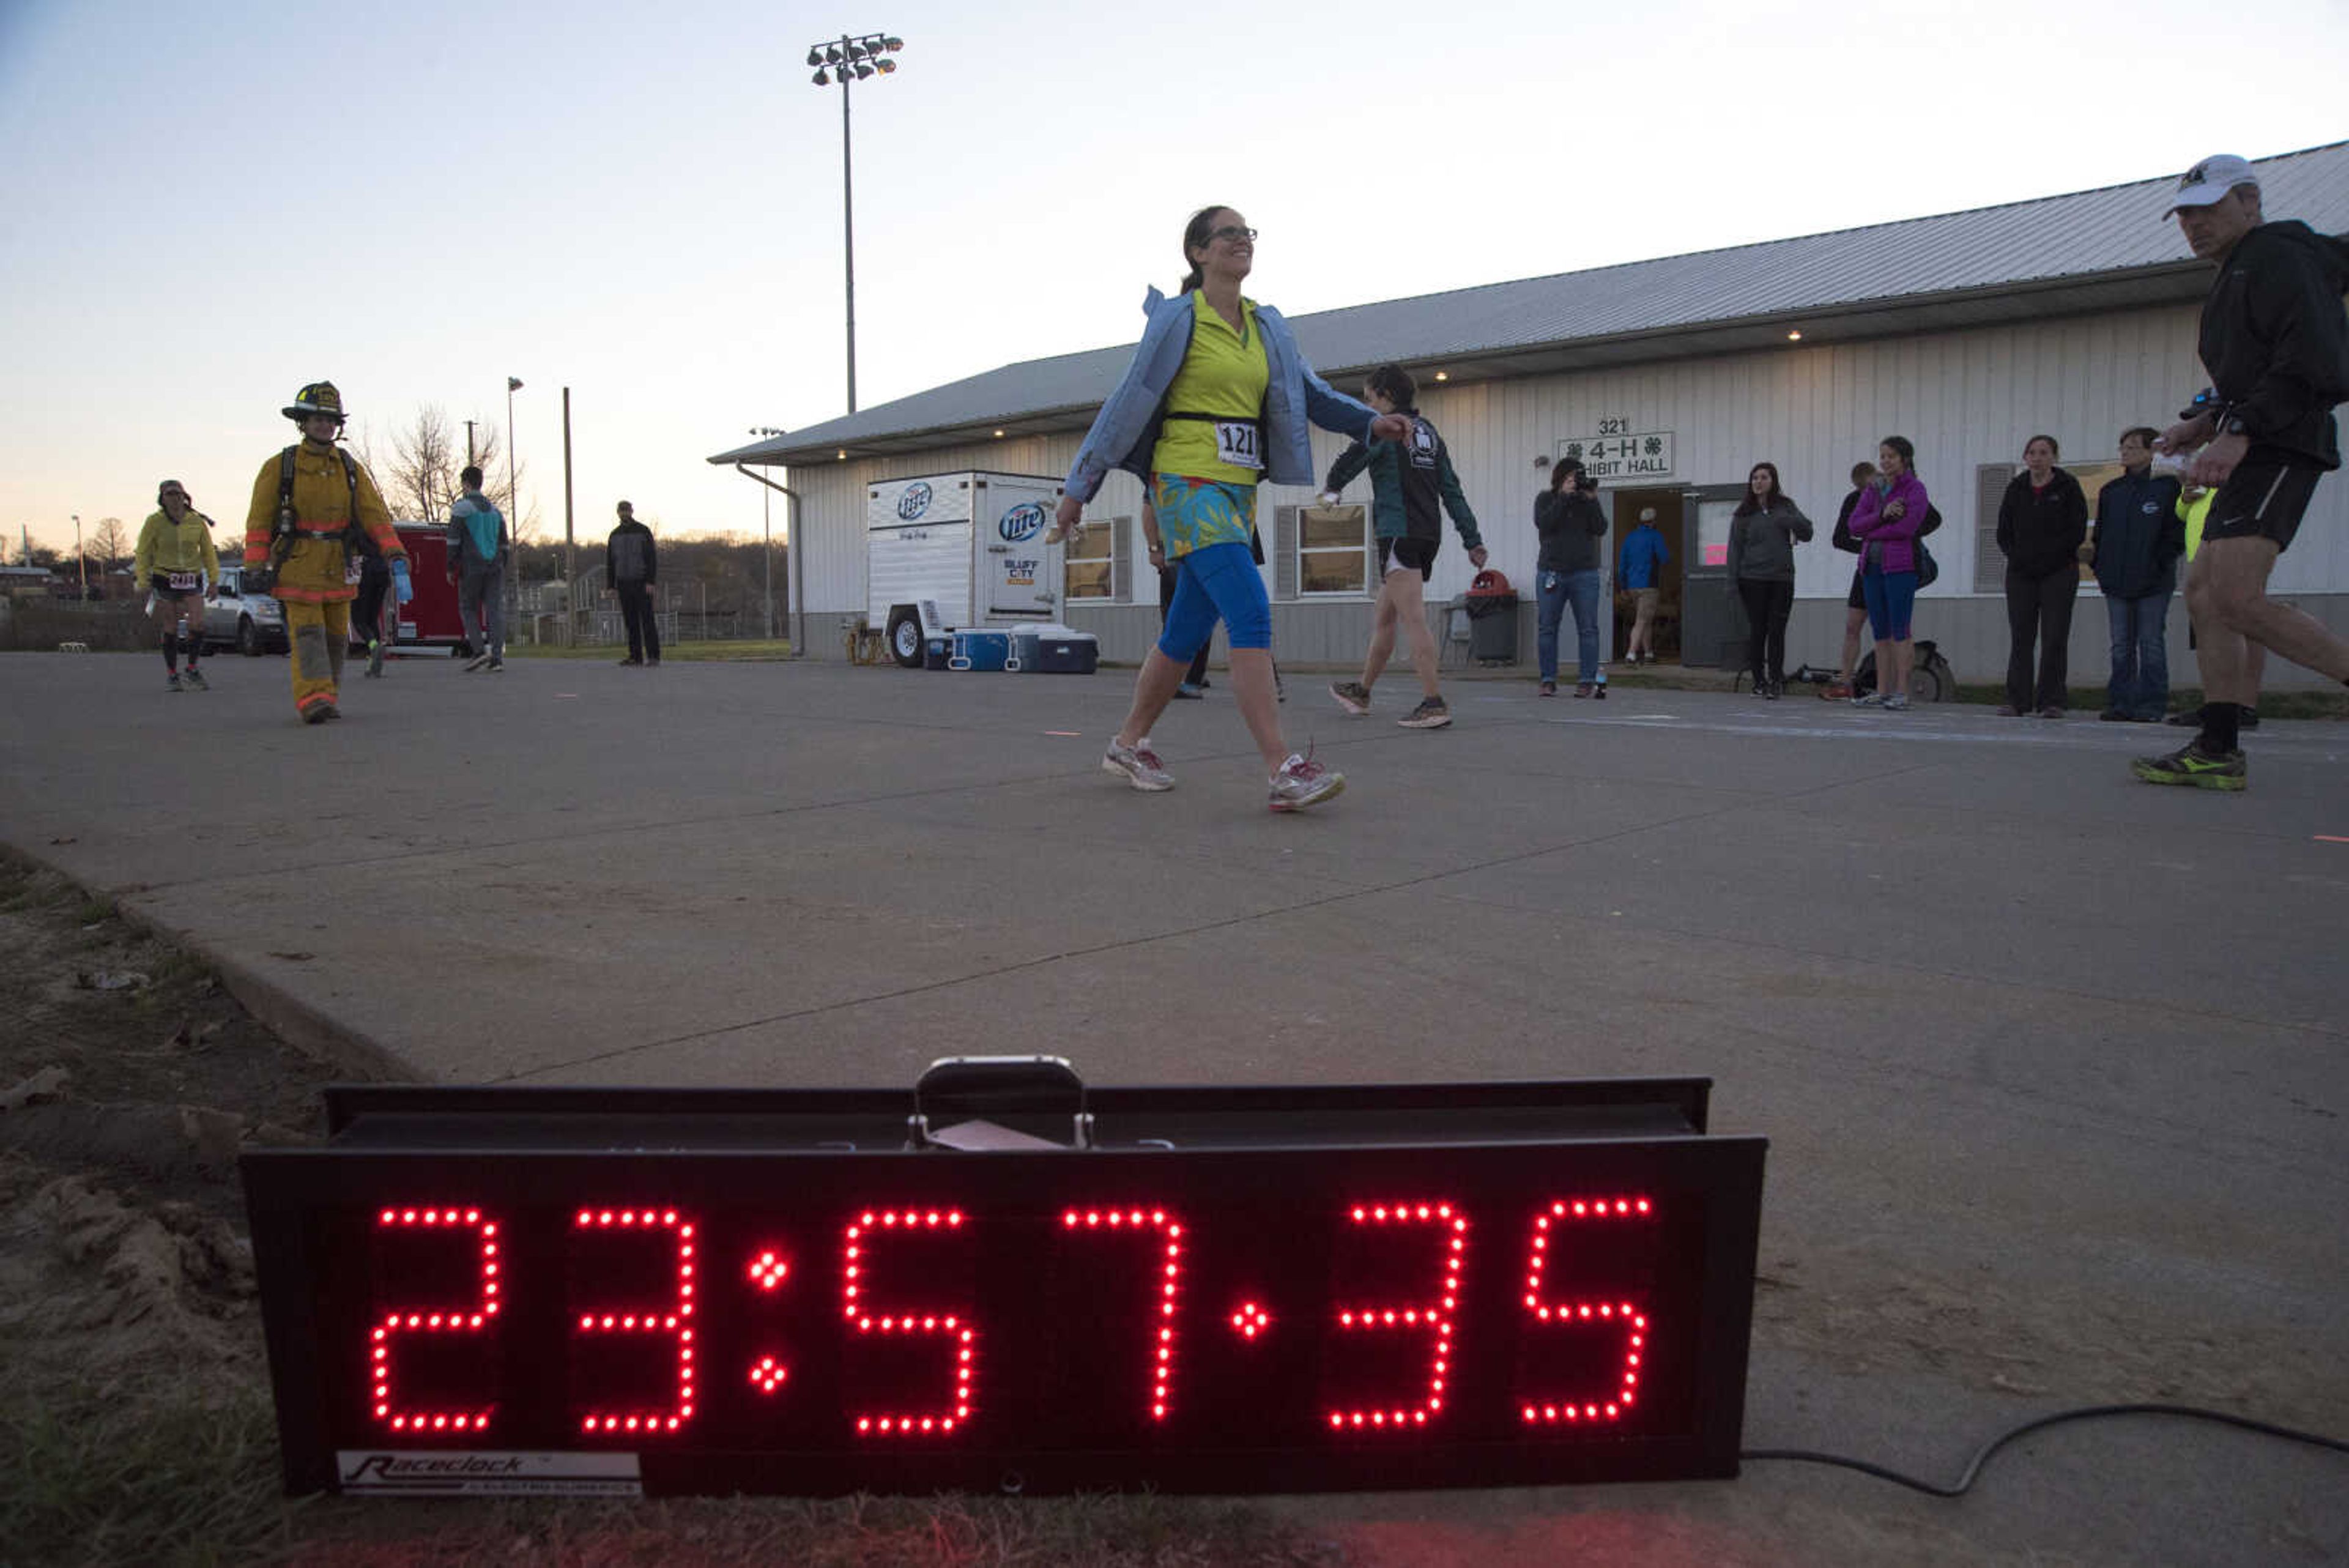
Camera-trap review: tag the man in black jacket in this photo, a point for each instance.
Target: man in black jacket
(2276, 345)
(631, 570)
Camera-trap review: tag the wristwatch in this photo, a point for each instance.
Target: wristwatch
(2233, 425)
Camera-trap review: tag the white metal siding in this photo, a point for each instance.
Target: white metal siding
(921, 561)
(1964, 398)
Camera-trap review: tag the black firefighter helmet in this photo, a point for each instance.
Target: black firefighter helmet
(317, 398)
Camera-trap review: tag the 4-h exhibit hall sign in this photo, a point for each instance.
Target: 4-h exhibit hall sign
(1618, 451)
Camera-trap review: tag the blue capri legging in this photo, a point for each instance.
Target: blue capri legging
(1891, 596)
(1216, 582)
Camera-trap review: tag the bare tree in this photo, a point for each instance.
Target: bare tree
(421, 480)
(109, 542)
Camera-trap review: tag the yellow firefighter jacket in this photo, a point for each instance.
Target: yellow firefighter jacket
(310, 567)
(169, 549)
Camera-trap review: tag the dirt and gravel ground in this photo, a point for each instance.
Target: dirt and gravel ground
(134, 1391)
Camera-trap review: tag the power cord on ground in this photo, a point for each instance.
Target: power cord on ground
(2087, 1412)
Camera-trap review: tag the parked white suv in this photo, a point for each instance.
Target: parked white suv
(253, 624)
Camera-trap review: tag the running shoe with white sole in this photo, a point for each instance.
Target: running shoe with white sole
(196, 682)
(478, 661)
(1302, 782)
(1872, 700)
(1140, 765)
(1352, 696)
(1433, 713)
(375, 656)
(2193, 766)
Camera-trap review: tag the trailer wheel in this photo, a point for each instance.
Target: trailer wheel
(906, 637)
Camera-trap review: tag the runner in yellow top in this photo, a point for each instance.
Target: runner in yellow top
(311, 504)
(1215, 401)
(176, 563)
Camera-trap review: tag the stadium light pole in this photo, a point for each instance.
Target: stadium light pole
(766, 533)
(859, 59)
(514, 506)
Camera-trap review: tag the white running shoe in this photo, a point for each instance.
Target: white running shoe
(1302, 782)
(1140, 765)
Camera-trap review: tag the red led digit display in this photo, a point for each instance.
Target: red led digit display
(436, 1321)
(665, 1323)
(1159, 1330)
(1518, 1309)
(1583, 1224)
(1428, 1315)
(871, 1232)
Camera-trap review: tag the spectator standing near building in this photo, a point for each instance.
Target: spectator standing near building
(1762, 533)
(176, 562)
(2043, 519)
(1217, 399)
(312, 505)
(632, 571)
(1855, 614)
(2276, 345)
(478, 550)
(1643, 557)
(1887, 520)
(1410, 480)
(1570, 522)
(2135, 546)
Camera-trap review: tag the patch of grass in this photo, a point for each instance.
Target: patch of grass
(2091, 700)
(94, 909)
(144, 1473)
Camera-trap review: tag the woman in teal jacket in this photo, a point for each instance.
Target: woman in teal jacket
(1216, 401)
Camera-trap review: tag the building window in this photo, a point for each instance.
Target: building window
(1091, 567)
(1333, 550)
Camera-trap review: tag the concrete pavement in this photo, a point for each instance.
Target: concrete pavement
(2053, 1062)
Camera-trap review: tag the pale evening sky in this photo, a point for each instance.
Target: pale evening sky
(202, 207)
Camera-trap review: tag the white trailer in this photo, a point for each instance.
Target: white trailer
(959, 550)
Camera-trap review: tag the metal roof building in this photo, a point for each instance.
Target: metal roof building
(2072, 313)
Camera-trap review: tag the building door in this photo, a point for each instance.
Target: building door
(1667, 505)
(1713, 619)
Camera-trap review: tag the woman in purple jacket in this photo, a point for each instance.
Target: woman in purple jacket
(1890, 511)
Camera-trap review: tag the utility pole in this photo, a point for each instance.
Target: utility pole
(850, 61)
(570, 550)
(469, 458)
(79, 555)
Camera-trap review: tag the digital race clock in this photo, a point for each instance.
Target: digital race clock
(827, 1291)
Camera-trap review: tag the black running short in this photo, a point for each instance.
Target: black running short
(1408, 554)
(187, 587)
(2262, 499)
(1859, 599)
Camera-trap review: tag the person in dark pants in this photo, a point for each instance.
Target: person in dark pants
(1761, 537)
(632, 570)
(367, 610)
(2043, 520)
(2135, 548)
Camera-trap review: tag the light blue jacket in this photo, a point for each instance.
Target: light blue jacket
(1125, 428)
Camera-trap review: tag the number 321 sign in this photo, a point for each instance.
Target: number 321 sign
(1229, 1290)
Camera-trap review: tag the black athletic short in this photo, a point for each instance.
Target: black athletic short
(1408, 554)
(1859, 599)
(162, 583)
(2262, 499)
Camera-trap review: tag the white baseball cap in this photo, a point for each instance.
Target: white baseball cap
(2210, 179)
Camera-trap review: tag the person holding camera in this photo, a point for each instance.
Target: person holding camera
(1570, 522)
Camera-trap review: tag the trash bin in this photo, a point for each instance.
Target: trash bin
(1492, 619)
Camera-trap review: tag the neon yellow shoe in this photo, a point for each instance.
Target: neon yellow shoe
(2190, 764)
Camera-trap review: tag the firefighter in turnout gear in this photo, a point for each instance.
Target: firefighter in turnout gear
(314, 505)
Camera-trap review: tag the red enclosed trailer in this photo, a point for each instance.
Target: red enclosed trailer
(430, 620)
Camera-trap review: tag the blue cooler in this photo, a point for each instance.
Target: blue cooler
(1064, 652)
(980, 648)
(935, 652)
